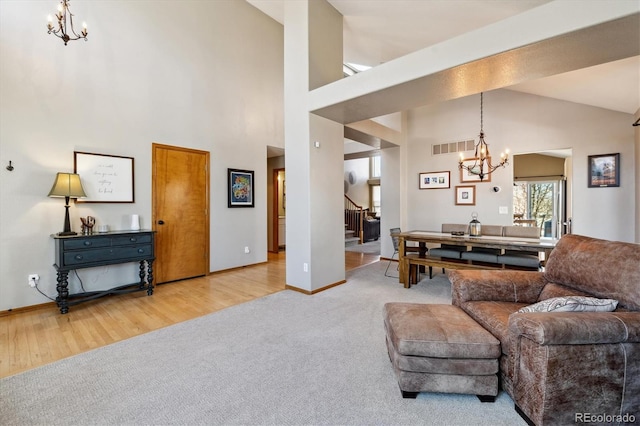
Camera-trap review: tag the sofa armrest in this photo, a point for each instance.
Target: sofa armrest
(576, 328)
(492, 285)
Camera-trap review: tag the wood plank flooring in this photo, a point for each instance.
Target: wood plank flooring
(41, 336)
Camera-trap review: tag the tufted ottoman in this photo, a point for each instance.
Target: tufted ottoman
(439, 348)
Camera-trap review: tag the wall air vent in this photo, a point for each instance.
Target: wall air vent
(453, 147)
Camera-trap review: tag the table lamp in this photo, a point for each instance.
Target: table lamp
(67, 185)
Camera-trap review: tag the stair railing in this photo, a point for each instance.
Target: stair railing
(354, 217)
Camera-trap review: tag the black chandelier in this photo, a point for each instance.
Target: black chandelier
(62, 29)
(482, 158)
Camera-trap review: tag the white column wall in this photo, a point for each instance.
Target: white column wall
(315, 250)
(637, 168)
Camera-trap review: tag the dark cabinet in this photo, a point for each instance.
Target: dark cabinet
(88, 251)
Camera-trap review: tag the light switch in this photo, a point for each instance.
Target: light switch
(503, 210)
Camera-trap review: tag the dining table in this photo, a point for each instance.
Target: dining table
(541, 246)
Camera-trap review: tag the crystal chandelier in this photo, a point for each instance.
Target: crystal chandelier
(482, 158)
(62, 29)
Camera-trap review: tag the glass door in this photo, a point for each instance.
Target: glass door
(540, 203)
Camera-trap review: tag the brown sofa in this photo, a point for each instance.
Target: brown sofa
(563, 367)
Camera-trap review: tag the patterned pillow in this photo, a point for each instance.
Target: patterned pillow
(572, 304)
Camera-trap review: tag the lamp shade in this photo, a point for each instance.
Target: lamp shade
(67, 185)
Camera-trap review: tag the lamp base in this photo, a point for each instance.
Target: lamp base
(67, 233)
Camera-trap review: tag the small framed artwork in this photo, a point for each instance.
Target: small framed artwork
(473, 175)
(434, 180)
(466, 195)
(604, 170)
(240, 188)
(105, 178)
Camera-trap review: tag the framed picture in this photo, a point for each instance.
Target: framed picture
(105, 178)
(240, 188)
(473, 174)
(604, 170)
(466, 195)
(434, 180)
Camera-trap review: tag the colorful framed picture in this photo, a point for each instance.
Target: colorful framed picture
(473, 174)
(240, 188)
(604, 170)
(105, 178)
(466, 195)
(434, 180)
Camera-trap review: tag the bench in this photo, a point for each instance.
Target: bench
(412, 262)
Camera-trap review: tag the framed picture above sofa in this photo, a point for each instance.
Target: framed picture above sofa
(604, 170)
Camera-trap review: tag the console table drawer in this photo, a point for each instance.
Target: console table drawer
(85, 243)
(107, 255)
(131, 239)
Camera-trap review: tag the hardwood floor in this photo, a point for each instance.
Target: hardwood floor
(33, 338)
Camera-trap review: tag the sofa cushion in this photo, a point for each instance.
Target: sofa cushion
(494, 317)
(572, 304)
(605, 269)
(512, 257)
(555, 290)
(480, 255)
(447, 250)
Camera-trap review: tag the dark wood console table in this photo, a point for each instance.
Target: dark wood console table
(88, 251)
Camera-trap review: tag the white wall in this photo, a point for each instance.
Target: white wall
(523, 123)
(357, 170)
(150, 72)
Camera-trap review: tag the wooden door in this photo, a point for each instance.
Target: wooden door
(180, 198)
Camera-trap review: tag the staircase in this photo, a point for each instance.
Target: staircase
(353, 216)
(349, 237)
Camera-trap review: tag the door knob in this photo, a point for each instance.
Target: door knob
(161, 222)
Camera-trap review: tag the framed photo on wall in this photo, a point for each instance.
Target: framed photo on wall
(473, 175)
(240, 188)
(604, 170)
(105, 178)
(434, 180)
(466, 195)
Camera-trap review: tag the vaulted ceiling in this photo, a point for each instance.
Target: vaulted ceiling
(378, 31)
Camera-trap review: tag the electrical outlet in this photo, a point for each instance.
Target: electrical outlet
(305, 267)
(33, 279)
(246, 250)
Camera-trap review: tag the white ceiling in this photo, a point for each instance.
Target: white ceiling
(377, 31)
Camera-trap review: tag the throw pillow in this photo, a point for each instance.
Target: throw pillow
(572, 304)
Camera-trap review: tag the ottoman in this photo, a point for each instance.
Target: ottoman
(439, 348)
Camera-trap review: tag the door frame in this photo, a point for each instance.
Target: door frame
(207, 178)
(275, 227)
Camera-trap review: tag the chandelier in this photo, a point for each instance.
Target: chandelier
(481, 165)
(62, 29)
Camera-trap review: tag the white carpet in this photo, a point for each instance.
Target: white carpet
(285, 359)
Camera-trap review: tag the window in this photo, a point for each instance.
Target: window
(374, 170)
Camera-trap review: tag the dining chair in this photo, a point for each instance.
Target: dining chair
(395, 239)
(394, 232)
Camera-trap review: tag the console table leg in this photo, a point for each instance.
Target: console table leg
(150, 277)
(142, 274)
(63, 291)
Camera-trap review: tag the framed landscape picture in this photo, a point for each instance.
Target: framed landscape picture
(473, 175)
(466, 195)
(604, 170)
(434, 180)
(240, 188)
